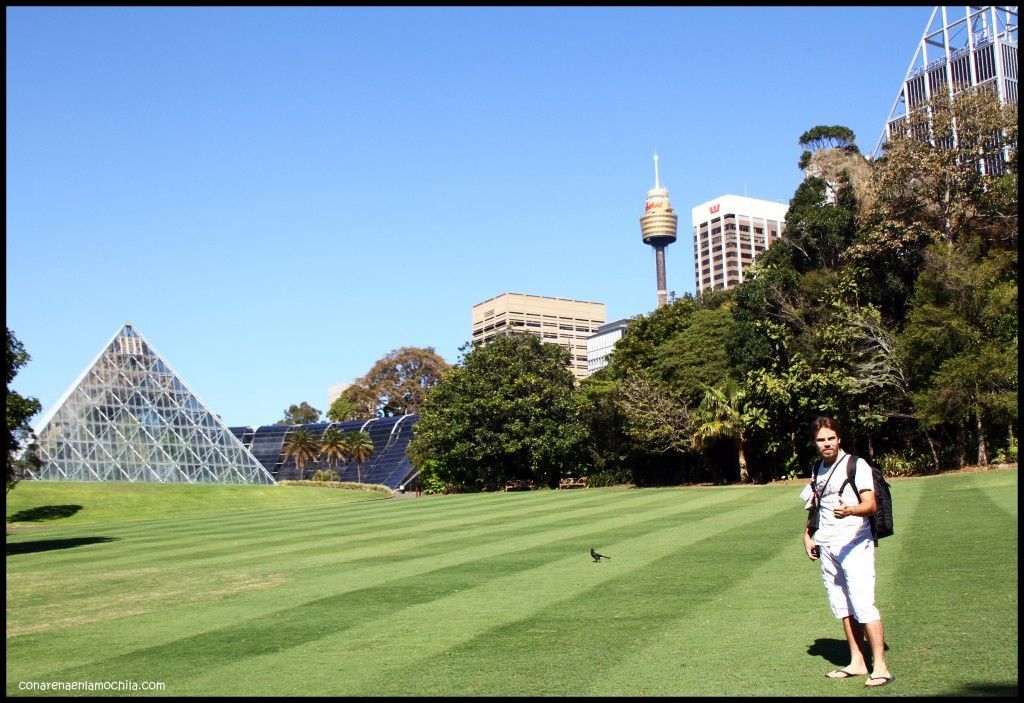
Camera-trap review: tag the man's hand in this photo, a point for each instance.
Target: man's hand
(810, 548)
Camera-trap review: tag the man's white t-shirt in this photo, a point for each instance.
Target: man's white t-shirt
(835, 531)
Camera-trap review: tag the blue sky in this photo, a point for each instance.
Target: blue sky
(278, 197)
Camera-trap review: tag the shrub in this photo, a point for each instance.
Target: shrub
(325, 475)
(1007, 455)
(609, 477)
(903, 464)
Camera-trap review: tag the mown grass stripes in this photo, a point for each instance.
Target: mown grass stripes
(707, 593)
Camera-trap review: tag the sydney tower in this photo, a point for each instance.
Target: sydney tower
(658, 227)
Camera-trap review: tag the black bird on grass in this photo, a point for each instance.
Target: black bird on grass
(597, 557)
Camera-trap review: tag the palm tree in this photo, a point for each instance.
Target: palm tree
(333, 446)
(720, 415)
(303, 447)
(360, 447)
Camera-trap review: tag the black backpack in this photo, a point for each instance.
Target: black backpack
(881, 521)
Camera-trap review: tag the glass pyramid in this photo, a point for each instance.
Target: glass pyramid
(130, 417)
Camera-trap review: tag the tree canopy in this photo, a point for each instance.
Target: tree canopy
(507, 412)
(302, 414)
(20, 410)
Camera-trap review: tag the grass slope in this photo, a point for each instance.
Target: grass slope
(37, 503)
(707, 593)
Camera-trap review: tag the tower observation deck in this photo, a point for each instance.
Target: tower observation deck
(658, 228)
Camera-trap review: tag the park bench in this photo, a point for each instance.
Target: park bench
(573, 482)
(518, 486)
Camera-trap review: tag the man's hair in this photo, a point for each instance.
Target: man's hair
(824, 421)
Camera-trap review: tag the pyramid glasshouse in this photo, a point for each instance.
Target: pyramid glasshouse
(130, 417)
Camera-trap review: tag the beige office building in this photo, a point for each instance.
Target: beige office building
(562, 321)
(728, 234)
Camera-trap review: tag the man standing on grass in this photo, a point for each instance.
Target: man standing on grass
(838, 534)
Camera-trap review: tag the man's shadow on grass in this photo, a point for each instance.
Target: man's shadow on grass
(46, 545)
(835, 651)
(44, 512)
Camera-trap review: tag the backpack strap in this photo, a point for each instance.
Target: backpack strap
(851, 469)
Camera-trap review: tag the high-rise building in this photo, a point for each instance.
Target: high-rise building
(658, 228)
(962, 47)
(601, 344)
(728, 234)
(562, 321)
(130, 417)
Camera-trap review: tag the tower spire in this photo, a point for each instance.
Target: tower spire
(657, 184)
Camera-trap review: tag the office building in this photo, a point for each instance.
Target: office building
(601, 344)
(728, 234)
(562, 321)
(962, 48)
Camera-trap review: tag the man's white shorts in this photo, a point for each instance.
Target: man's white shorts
(848, 572)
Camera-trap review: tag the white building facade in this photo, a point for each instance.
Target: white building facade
(602, 343)
(729, 232)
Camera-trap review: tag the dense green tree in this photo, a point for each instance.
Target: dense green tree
(508, 411)
(960, 343)
(304, 414)
(302, 447)
(696, 354)
(608, 449)
(20, 410)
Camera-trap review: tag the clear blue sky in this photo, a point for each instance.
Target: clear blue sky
(277, 197)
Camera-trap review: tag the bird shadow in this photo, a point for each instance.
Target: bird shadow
(46, 545)
(44, 512)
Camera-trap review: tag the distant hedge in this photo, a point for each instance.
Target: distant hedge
(351, 485)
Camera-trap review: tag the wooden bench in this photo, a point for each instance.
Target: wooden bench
(518, 486)
(573, 482)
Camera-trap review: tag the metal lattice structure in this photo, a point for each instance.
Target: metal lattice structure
(130, 417)
(962, 48)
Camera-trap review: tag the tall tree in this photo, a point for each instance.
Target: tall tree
(360, 447)
(334, 446)
(722, 415)
(401, 379)
(929, 190)
(508, 411)
(302, 447)
(304, 414)
(960, 343)
(19, 411)
(826, 137)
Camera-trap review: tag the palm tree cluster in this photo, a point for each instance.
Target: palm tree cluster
(333, 446)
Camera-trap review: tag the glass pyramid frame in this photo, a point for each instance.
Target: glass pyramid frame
(130, 417)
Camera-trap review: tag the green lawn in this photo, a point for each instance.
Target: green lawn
(298, 591)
